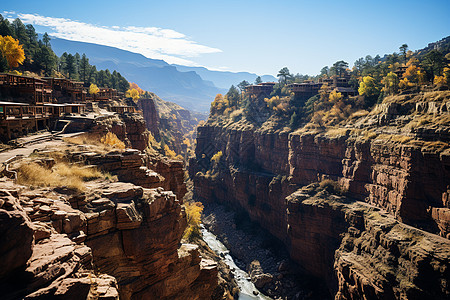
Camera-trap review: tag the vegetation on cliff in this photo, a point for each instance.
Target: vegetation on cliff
(21, 49)
(374, 79)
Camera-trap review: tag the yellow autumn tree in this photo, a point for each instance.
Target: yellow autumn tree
(335, 96)
(440, 80)
(216, 157)
(169, 153)
(111, 139)
(413, 75)
(137, 88)
(444, 79)
(390, 82)
(12, 51)
(368, 87)
(193, 216)
(93, 89)
(187, 142)
(405, 84)
(133, 94)
(218, 105)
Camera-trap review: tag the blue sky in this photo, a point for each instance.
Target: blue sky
(256, 36)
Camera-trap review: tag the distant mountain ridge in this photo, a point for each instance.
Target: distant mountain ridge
(192, 88)
(224, 79)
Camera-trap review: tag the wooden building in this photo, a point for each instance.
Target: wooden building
(66, 90)
(105, 94)
(17, 119)
(307, 89)
(120, 109)
(33, 91)
(259, 90)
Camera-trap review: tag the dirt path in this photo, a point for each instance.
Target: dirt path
(27, 150)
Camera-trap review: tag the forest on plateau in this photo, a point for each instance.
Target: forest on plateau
(372, 79)
(22, 50)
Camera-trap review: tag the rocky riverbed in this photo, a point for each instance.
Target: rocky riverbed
(261, 255)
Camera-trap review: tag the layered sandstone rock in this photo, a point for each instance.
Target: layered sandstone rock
(404, 172)
(150, 114)
(140, 168)
(128, 127)
(374, 255)
(111, 239)
(38, 262)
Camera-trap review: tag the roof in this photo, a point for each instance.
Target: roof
(21, 76)
(54, 105)
(344, 89)
(63, 104)
(13, 103)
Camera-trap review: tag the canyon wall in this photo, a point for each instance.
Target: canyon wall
(111, 239)
(150, 114)
(409, 181)
(116, 237)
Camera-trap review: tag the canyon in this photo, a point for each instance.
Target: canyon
(364, 208)
(117, 236)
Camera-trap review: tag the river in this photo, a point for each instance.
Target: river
(246, 287)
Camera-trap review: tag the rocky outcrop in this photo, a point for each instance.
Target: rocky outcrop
(13, 223)
(128, 127)
(374, 255)
(136, 130)
(138, 167)
(150, 114)
(113, 238)
(38, 262)
(126, 231)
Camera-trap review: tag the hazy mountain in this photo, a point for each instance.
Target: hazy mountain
(224, 79)
(187, 89)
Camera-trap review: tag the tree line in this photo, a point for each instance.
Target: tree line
(39, 58)
(373, 78)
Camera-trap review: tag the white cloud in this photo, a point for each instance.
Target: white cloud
(152, 42)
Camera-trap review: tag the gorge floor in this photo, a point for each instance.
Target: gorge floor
(261, 255)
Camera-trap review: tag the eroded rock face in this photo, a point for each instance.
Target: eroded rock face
(150, 114)
(139, 168)
(377, 257)
(14, 223)
(407, 181)
(39, 263)
(130, 235)
(260, 168)
(136, 130)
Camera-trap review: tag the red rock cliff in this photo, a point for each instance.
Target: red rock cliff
(407, 177)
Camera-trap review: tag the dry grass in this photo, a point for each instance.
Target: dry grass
(359, 114)
(83, 139)
(61, 174)
(112, 140)
(331, 186)
(363, 134)
(427, 146)
(107, 142)
(403, 139)
(334, 132)
(435, 119)
(435, 146)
